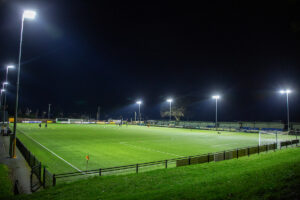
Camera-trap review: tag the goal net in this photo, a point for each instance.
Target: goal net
(267, 137)
(75, 121)
(62, 120)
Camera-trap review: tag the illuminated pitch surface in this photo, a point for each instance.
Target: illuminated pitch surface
(111, 145)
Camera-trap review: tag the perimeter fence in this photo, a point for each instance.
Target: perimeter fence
(221, 126)
(47, 179)
(176, 162)
(42, 178)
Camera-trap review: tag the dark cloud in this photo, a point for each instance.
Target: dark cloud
(78, 55)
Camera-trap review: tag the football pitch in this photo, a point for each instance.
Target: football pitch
(64, 147)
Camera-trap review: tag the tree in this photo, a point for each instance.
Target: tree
(28, 112)
(37, 114)
(177, 113)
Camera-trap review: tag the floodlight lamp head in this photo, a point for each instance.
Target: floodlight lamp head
(2, 90)
(10, 67)
(139, 102)
(216, 97)
(5, 83)
(29, 14)
(285, 91)
(170, 100)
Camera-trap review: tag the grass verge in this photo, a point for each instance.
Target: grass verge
(5, 182)
(265, 176)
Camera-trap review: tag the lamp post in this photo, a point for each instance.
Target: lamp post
(287, 92)
(139, 103)
(2, 91)
(49, 108)
(216, 97)
(6, 79)
(27, 14)
(3, 86)
(170, 101)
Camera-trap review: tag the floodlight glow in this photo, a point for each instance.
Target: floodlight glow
(285, 91)
(216, 97)
(10, 67)
(2, 90)
(5, 83)
(139, 102)
(170, 100)
(29, 14)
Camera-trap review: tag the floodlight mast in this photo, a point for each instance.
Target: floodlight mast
(139, 103)
(27, 14)
(170, 101)
(49, 109)
(6, 83)
(2, 91)
(287, 92)
(216, 97)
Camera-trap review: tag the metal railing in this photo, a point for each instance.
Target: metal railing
(176, 162)
(47, 179)
(43, 177)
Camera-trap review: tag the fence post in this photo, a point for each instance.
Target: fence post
(248, 151)
(189, 160)
(166, 164)
(16, 187)
(275, 147)
(137, 168)
(33, 164)
(208, 157)
(40, 171)
(53, 180)
(237, 153)
(44, 177)
(31, 172)
(224, 156)
(100, 172)
(28, 157)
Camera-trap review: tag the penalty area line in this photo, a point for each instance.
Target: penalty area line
(51, 152)
(148, 149)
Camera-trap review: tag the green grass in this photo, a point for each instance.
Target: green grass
(110, 145)
(273, 175)
(5, 182)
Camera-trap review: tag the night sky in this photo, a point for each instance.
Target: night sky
(78, 55)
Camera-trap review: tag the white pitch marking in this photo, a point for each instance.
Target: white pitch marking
(148, 149)
(51, 152)
(224, 144)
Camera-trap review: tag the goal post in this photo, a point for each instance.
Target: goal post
(269, 136)
(69, 121)
(75, 121)
(62, 121)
